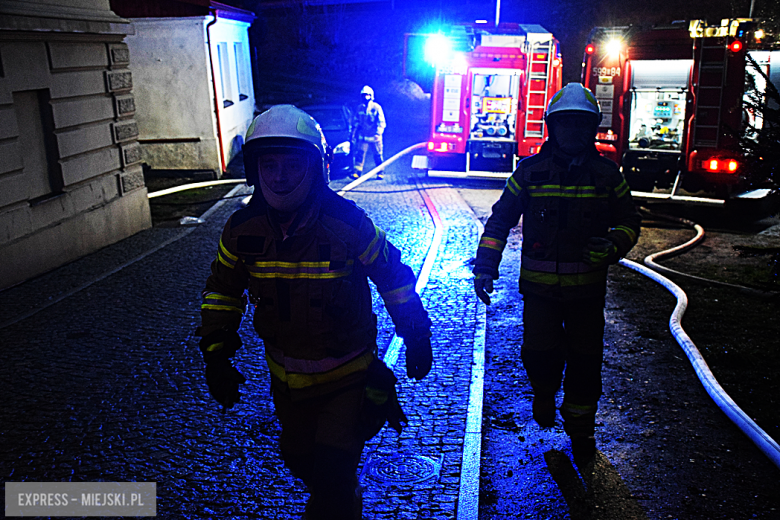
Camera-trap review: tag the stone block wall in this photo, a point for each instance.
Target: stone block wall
(71, 180)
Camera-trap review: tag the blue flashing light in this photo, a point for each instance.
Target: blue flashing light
(438, 49)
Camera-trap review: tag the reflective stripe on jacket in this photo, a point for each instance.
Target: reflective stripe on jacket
(312, 302)
(562, 205)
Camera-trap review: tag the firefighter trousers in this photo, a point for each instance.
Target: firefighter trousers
(321, 443)
(563, 342)
(362, 149)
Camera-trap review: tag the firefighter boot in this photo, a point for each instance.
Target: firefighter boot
(544, 410)
(334, 488)
(579, 423)
(357, 510)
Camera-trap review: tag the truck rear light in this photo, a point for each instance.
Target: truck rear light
(720, 165)
(440, 147)
(735, 46)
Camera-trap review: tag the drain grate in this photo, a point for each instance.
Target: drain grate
(402, 469)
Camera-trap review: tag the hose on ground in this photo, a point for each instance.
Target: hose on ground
(759, 437)
(193, 186)
(652, 260)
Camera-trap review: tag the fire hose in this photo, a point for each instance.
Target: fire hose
(749, 427)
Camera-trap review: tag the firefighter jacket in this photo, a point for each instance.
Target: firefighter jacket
(312, 302)
(368, 123)
(562, 205)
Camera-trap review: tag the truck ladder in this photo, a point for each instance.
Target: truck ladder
(713, 61)
(538, 77)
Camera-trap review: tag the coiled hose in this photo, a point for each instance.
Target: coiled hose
(759, 437)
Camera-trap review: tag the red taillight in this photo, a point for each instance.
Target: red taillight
(735, 46)
(721, 165)
(590, 48)
(440, 146)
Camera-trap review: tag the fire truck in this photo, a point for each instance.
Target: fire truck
(674, 105)
(489, 94)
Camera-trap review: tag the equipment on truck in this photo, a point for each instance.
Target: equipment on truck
(674, 104)
(491, 88)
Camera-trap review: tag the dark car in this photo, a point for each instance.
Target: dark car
(336, 124)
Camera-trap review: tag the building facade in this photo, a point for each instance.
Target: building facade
(71, 180)
(193, 81)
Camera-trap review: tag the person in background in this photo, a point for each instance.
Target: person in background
(578, 219)
(302, 256)
(368, 125)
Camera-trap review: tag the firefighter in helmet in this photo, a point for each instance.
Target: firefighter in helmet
(303, 256)
(368, 125)
(578, 218)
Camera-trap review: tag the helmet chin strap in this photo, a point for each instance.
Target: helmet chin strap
(290, 201)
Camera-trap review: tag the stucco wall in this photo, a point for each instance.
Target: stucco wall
(175, 114)
(70, 174)
(176, 119)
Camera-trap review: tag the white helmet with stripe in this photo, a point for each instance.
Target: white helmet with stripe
(574, 97)
(286, 129)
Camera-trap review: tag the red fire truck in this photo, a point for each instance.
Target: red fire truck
(488, 99)
(673, 99)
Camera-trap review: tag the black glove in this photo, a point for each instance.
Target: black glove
(380, 401)
(222, 377)
(419, 357)
(483, 284)
(599, 252)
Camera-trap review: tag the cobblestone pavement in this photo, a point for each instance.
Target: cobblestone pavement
(105, 383)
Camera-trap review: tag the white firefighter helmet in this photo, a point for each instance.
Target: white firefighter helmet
(281, 129)
(367, 91)
(573, 98)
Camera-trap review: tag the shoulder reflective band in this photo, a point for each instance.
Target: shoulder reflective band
(513, 187)
(225, 256)
(374, 247)
(621, 189)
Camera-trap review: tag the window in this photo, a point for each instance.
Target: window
(224, 74)
(241, 74)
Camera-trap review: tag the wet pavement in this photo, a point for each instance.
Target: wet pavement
(103, 380)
